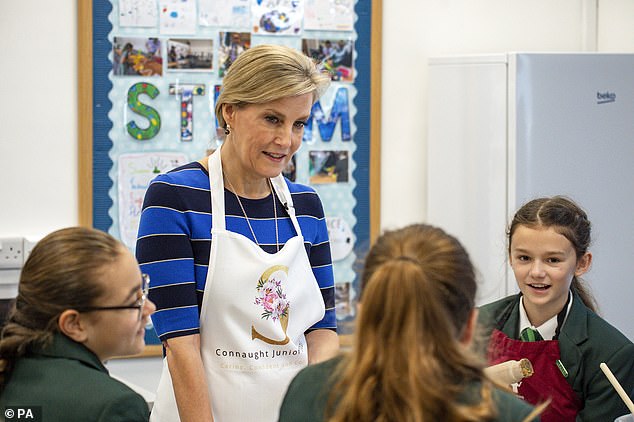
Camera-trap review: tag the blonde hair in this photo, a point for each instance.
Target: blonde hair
(62, 272)
(407, 362)
(267, 73)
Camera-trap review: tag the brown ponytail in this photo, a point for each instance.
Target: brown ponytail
(407, 362)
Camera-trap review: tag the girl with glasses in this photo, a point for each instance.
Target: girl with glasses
(81, 301)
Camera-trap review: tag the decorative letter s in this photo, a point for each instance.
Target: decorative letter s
(144, 110)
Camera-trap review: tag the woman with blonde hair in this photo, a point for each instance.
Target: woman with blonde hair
(239, 256)
(411, 359)
(81, 301)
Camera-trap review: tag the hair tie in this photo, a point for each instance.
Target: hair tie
(408, 259)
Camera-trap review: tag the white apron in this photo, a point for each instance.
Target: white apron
(256, 307)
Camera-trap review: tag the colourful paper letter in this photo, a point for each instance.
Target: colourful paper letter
(144, 110)
(339, 111)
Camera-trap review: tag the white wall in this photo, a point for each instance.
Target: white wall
(38, 117)
(615, 28)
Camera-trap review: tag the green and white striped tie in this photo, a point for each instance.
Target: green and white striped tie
(530, 334)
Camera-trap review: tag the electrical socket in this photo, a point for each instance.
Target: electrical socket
(11, 253)
(28, 247)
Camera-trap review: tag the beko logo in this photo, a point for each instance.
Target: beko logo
(606, 97)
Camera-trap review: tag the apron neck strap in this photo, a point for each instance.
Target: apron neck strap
(284, 195)
(217, 190)
(282, 192)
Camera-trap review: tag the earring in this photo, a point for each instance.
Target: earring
(227, 129)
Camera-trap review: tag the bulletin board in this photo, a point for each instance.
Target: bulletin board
(149, 74)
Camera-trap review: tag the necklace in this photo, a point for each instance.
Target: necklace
(277, 241)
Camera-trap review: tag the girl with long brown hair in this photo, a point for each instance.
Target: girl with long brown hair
(552, 321)
(81, 301)
(411, 359)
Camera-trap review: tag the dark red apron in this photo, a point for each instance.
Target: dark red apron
(547, 381)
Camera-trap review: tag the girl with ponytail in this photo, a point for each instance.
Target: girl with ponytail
(81, 301)
(411, 358)
(552, 321)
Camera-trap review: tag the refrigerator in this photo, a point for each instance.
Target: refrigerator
(506, 128)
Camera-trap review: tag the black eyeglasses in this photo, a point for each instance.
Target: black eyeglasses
(145, 287)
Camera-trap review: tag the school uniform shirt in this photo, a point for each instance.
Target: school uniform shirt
(585, 340)
(308, 395)
(548, 329)
(69, 383)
